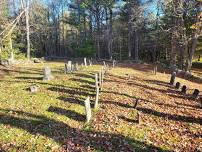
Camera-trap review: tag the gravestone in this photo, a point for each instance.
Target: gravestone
(113, 63)
(184, 89)
(73, 68)
(195, 94)
(177, 86)
(155, 69)
(104, 63)
(33, 89)
(172, 79)
(90, 62)
(102, 72)
(85, 62)
(97, 97)
(82, 65)
(11, 58)
(68, 67)
(100, 80)
(47, 74)
(76, 67)
(88, 109)
(96, 81)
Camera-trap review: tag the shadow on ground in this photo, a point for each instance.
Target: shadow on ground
(72, 139)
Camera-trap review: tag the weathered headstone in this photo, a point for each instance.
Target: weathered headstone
(76, 67)
(184, 89)
(11, 58)
(88, 109)
(172, 79)
(104, 63)
(68, 67)
(90, 62)
(82, 65)
(73, 67)
(195, 94)
(85, 62)
(102, 72)
(97, 97)
(47, 74)
(177, 86)
(155, 69)
(33, 89)
(96, 81)
(100, 80)
(113, 63)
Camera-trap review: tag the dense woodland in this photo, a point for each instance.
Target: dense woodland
(166, 31)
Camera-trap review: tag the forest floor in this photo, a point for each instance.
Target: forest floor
(54, 118)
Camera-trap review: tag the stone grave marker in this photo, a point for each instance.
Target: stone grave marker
(85, 62)
(33, 89)
(88, 109)
(184, 89)
(97, 97)
(195, 94)
(172, 79)
(68, 67)
(90, 62)
(155, 69)
(113, 63)
(177, 86)
(100, 80)
(76, 67)
(47, 74)
(96, 81)
(104, 63)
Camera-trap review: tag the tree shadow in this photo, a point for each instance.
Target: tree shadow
(68, 113)
(79, 101)
(161, 83)
(70, 91)
(72, 139)
(173, 117)
(129, 120)
(29, 78)
(83, 75)
(82, 81)
(117, 103)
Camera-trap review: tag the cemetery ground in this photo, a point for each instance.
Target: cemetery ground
(138, 111)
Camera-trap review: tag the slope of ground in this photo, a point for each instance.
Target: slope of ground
(54, 118)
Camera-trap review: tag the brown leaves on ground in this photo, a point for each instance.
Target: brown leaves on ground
(169, 119)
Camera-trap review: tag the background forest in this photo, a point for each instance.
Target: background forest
(166, 31)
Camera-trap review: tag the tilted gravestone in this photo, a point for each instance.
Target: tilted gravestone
(195, 94)
(47, 74)
(177, 86)
(85, 62)
(184, 89)
(88, 109)
(172, 79)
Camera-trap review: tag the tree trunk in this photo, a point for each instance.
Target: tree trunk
(27, 29)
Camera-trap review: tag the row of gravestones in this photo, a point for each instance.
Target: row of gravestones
(195, 94)
(99, 79)
(70, 67)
